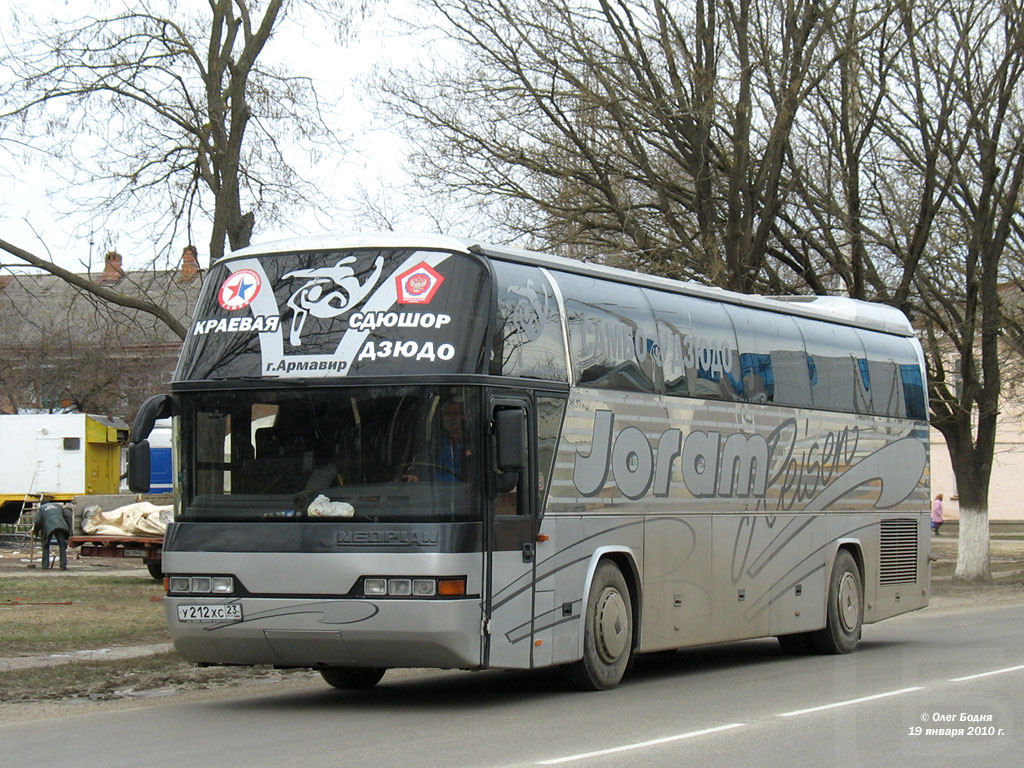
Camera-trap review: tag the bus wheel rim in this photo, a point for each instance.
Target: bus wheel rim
(849, 602)
(612, 626)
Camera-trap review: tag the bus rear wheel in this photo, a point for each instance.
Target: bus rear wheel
(608, 632)
(346, 678)
(845, 610)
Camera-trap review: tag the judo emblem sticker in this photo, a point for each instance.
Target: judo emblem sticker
(239, 290)
(328, 292)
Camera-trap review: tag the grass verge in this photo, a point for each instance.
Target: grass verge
(52, 613)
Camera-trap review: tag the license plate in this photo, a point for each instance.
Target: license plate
(210, 613)
(135, 553)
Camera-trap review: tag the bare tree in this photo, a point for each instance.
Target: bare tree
(928, 158)
(657, 131)
(913, 198)
(869, 149)
(166, 111)
(982, 70)
(826, 236)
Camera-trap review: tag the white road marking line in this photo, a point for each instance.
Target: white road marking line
(706, 731)
(849, 702)
(986, 674)
(639, 745)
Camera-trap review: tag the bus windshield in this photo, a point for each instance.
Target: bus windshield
(378, 454)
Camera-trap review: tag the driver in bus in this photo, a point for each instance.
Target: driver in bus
(453, 453)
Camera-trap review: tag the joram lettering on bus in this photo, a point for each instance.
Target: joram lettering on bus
(714, 464)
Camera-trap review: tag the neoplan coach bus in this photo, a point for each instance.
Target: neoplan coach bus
(431, 452)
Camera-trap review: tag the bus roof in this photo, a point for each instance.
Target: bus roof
(837, 309)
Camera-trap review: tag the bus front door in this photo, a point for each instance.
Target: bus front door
(511, 542)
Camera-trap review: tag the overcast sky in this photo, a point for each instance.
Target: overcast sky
(32, 205)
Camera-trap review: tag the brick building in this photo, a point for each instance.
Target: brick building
(61, 347)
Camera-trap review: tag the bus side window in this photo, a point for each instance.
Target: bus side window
(895, 375)
(507, 502)
(527, 339)
(613, 338)
(697, 347)
(838, 367)
(772, 357)
(550, 412)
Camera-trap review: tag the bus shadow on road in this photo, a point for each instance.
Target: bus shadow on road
(706, 658)
(462, 690)
(763, 653)
(456, 690)
(452, 690)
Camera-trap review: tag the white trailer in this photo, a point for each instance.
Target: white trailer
(56, 456)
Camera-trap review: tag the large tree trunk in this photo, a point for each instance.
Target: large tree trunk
(972, 560)
(973, 471)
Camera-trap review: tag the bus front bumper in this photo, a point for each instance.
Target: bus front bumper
(312, 632)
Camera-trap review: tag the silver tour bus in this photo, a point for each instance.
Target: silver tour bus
(433, 452)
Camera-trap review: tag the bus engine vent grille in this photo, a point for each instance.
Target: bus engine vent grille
(899, 552)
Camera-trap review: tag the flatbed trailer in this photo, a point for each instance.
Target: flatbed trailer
(149, 548)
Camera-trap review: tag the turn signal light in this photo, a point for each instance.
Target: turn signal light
(451, 587)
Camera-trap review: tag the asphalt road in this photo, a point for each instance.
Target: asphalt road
(900, 700)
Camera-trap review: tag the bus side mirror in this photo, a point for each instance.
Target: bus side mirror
(138, 467)
(510, 438)
(155, 407)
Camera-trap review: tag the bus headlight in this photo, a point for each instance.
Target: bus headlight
(399, 587)
(419, 586)
(424, 587)
(200, 585)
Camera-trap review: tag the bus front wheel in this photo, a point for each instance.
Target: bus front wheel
(352, 678)
(608, 632)
(845, 612)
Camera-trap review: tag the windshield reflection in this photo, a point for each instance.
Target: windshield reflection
(365, 454)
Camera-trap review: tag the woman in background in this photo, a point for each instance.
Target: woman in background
(937, 514)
